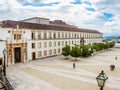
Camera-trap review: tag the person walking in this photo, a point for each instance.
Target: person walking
(74, 66)
(116, 58)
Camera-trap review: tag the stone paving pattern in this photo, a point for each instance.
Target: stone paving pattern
(57, 73)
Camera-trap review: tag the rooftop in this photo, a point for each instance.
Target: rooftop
(26, 25)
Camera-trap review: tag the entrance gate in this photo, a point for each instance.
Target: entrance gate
(17, 57)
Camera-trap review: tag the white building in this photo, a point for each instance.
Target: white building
(35, 38)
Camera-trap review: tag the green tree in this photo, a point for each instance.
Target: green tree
(66, 50)
(112, 44)
(98, 46)
(85, 50)
(75, 52)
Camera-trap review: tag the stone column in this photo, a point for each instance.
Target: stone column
(12, 54)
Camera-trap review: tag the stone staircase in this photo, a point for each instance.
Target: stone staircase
(4, 83)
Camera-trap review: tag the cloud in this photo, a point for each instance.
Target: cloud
(101, 15)
(44, 1)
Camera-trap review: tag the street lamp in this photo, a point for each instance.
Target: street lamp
(4, 69)
(101, 78)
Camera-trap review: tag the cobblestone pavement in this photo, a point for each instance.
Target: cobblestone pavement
(57, 73)
(24, 81)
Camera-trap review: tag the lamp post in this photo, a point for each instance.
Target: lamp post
(101, 78)
(4, 68)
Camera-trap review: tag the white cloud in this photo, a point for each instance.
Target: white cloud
(45, 1)
(76, 14)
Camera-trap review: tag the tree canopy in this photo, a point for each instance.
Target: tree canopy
(85, 50)
(66, 50)
(75, 52)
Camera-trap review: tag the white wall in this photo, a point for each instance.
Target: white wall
(29, 50)
(27, 34)
(30, 20)
(4, 33)
(37, 20)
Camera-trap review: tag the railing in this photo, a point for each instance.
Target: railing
(4, 83)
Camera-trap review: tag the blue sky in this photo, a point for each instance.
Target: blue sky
(101, 15)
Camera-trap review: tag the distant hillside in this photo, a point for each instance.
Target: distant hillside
(112, 37)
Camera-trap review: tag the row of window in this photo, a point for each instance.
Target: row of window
(48, 53)
(61, 43)
(17, 36)
(54, 44)
(55, 35)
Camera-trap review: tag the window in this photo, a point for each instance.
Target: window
(62, 43)
(45, 44)
(39, 35)
(72, 35)
(69, 35)
(54, 35)
(39, 53)
(33, 45)
(58, 50)
(50, 44)
(58, 35)
(17, 36)
(58, 43)
(65, 35)
(69, 42)
(54, 51)
(72, 42)
(50, 35)
(39, 44)
(65, 42)
(62, 35)
(50, 52)
(45, 35)
(45, 53)
(54, 44)
(14, 36)
(75, 35)
(33, 35)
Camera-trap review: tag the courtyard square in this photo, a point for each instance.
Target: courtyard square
(57, 73)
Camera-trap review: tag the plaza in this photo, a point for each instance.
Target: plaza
(57, 73)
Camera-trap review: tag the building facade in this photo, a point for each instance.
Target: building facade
(36, 38)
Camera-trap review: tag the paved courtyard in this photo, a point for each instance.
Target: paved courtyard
(57, 73)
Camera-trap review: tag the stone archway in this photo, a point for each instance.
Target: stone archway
(17, 53)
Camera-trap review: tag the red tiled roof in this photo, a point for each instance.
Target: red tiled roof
(25, 25)
(60, 23)
(57, 22)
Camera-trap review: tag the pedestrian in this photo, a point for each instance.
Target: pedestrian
(116, 58)
(74, 66)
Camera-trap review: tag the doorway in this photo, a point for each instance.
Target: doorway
(17, 53)
(33, 55)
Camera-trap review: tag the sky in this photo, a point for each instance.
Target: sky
(101, 15)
